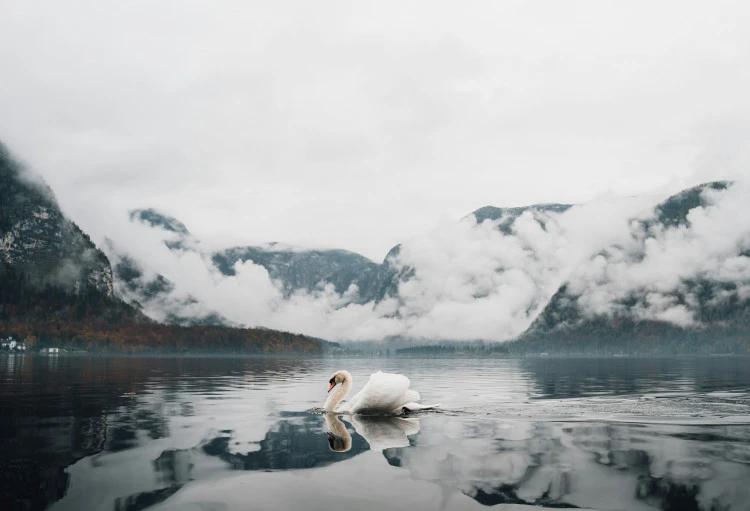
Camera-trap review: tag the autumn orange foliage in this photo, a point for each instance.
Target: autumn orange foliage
(94, 322)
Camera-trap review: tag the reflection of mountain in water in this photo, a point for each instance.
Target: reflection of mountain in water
(40, 436)
(577, 377)
(55, 411)
(130, 419)
(606, 466)
(296, 442)
(292, 444)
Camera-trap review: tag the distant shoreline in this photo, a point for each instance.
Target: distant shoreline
(349, 356)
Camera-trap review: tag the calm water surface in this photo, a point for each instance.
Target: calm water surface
(119, 433)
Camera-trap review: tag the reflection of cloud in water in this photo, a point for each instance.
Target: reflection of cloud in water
(222, 431)
(296, 442)
(546, 464)
(606, 466)
(386, 432)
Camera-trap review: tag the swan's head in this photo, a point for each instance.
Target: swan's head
(339, 377)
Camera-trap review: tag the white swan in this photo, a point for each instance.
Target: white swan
(383, 394)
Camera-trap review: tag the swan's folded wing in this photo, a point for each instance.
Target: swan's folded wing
(383, 393)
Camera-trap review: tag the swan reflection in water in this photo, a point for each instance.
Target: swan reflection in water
(378, 431)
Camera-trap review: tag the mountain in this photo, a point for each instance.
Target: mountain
(154, 292)
(505, 217)
(679, 284)
(156, 219)
(57, 287)
(294, 268)
(617, 275)
(307, 269)
(158, 295)
(181, 239)
(50, 271)
(39, 241)
(474, 262)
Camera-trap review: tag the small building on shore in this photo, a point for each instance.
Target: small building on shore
(10, 344)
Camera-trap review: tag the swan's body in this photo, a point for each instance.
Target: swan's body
(383, 394)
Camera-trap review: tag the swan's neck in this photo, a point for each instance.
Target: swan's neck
(338, 393)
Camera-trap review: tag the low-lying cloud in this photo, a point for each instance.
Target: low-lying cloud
(661, 263)
(472, 281)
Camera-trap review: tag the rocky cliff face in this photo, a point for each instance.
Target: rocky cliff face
(38, 240)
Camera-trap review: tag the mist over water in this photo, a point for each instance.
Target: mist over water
(244, 433)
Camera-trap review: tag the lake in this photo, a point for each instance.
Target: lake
(167, 433)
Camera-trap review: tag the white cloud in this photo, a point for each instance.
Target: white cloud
(660, 263)
(355, 126)
(467, 280)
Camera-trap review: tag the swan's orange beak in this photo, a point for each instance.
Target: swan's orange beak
(333, 384)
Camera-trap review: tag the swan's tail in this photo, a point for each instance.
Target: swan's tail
(414, 407)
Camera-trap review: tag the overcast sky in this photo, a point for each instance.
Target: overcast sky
(361, 124)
